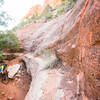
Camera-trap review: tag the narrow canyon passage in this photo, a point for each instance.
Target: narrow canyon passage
(62, 57)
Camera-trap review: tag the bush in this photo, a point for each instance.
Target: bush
(49, 16)
(1, 56)
(26, 22)
(71, 1)
(8, 41)
(47, 9)
(67, 4)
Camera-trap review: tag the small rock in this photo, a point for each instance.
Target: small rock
(2, 93)
(19, 71)
(70, 82)
(73, 46)
(18, 75)
(10, 98)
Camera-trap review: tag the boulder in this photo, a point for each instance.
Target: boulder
(12, 70)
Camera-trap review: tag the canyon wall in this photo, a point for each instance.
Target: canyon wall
(74, 41)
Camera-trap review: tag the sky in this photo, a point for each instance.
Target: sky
(17, 9)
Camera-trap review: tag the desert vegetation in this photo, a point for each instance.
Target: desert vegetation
(8, 41)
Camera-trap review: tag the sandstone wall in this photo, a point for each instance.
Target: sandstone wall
(75, 39)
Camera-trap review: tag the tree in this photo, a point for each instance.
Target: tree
(8, 40)
(4, 17)
(1, 2)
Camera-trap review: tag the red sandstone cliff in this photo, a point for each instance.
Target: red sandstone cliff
(73, 41)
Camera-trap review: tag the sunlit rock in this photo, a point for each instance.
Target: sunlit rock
(12, 70)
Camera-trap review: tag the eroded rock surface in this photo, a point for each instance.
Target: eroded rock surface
(50, 82)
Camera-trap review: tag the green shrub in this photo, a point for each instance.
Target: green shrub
(71, 1)
(26, 22)
(1, 56)
(49, 16)
(8, 41)
(67, 4)
(46, 10)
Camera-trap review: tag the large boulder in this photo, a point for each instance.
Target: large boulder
(12, 70)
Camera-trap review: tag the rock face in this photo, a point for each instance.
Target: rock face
(89, 38)
(74, 38)
(38, 9)
(27, 31)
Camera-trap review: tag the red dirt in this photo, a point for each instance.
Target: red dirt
(16, 88)
(10, 90)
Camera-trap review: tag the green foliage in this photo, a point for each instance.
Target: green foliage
(1, 56)
(46, 10)
(66, 5)
(26, 22)
(35, 18)
(71, 1)
(8, 41)
(1, 2)
(20, 25)
(49, 15)
(4, 17)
